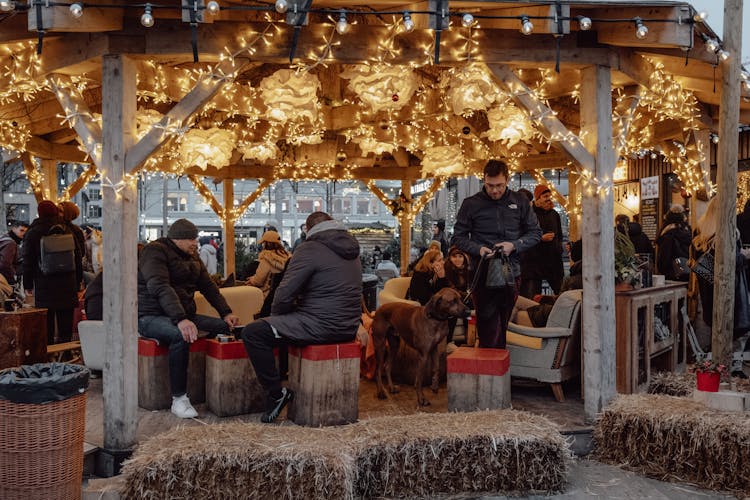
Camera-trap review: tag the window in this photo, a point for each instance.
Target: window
(95, 194)
(304, 206)
(363, 207)
(177, 203)
(95, 212)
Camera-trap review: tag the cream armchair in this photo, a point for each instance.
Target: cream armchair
(550, 354)
(395, 290)
(245, 301)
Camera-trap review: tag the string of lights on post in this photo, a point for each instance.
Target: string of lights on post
(526, 25)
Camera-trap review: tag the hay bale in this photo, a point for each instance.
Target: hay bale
(423, 455)
(676, 439)
(672, 384)
(241, 460)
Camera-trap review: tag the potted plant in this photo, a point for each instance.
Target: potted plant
(708, 375)
(626, 269)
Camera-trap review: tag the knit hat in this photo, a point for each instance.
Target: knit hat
(70, 210)
(539, 190)
(182, 229)
(47, 208)
(270, 236)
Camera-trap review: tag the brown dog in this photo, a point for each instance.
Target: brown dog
(421, 327)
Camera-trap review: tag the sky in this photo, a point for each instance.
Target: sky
(715, 9)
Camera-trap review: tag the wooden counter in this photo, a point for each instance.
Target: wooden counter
(650, 333)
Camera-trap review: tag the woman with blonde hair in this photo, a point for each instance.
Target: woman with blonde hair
(428, 278)
(272, 260)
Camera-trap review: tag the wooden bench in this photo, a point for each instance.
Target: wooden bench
(325, 381)
(478, 379)
(153, 374)
(57, 352)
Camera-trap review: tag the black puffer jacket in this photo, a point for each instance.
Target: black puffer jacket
(56, 291)
(673, 242)
(167, 280)
(319, 300)
(482, 221)
(545, 259)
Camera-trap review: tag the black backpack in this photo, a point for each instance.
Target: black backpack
(57, 251)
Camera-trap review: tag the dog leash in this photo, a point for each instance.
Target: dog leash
(475, 281)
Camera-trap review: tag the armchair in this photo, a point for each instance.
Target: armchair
(556, 357)
(244, 300)
(395, 290)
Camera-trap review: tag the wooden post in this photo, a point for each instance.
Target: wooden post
(120, 230)
(228, 225)
(697, 209)
(598, 329)
(574, 227)
(405, 228)
(49, 179)
(726, 186)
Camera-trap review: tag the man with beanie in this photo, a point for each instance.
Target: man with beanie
(169, 273)
(56, 292)
(10, 257)
(495, 220)
(544, 261)
(317, 302)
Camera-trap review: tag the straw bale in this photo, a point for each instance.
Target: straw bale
(241, 460)
(676, 439)
(672, 384)
(423, 455)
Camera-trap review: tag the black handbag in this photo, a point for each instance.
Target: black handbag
(499, 272)
(680, 269)
(704, 267)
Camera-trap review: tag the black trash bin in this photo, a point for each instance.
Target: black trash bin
(42, 424)
(370, 291)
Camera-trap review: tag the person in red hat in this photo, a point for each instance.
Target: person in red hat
(544, 261)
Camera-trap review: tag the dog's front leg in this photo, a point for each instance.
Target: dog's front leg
(435, 357)
(418, 380)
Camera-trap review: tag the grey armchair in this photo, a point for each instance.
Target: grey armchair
(556, 355)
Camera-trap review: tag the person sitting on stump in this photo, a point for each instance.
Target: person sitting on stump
(169, 273)
(317, 302)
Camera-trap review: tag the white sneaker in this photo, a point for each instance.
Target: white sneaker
(450, 347)
(182, 408)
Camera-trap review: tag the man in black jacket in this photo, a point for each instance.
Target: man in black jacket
(495, 220)
(543, 261)
(10, 257)
(169, 273)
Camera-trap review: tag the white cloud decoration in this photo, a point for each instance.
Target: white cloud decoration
(290, 96)
(443, 161)
(509, 125)
(469, 88)
(370, 144)
(261, 151)
(201, 147)
(381, 86)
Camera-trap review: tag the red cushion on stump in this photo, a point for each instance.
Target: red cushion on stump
(150, 347)
(479, 361)
(326, 352)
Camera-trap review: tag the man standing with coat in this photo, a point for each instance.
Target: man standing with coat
(169, 273)
(317, 302)
(495, 219)
(543, 261)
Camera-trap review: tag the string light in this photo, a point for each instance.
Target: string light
(408, 23)
(147, 19)
(467, 20)
(711, 44)
(527, 27)
(641, 31)
(76, 9)
(584, 23)
(700, 17)
(281, 6)
(213, 7)
(723, 54)
(342, 26)
(7, 5)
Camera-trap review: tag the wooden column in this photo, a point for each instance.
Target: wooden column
(49, 179)
(574, 227)
(726, 186)
(697, 209)
(228, 226)
(120, 231)
(597, 227)
(405, 229)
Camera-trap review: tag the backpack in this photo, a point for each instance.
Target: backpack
(57, 251)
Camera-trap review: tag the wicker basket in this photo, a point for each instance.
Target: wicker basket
(41, 449)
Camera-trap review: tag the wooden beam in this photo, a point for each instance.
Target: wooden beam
(405, 228)
(228, 228)
(94, 18)
(543, 117)
(598, 245)
(49, 179)
(536, 14)
(250, 199)
(208, 196)
(33, 176)
(660, 34)
(340, 172)
(79, 183)
(80, 117)
(120, 230)
(62, 152)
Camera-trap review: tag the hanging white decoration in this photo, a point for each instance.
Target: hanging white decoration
(381, 86)
(469, 88)
(297, 140)
(261, 151)
(144, 120)
(201, 148)
(443, 161)
(290, 96)
(508, 124)
(370, 144)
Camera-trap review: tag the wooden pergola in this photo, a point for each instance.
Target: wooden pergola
(399, 92)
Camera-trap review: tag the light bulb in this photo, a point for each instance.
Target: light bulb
(281, 6)
(467, 20)
(584, 23)
(342, 26)
(6, 5)
(76, 10)
(641, 31)
(746, 85)
(712, 45)
(700, 17)
(408, 23)
(147, 19)
(715, 139)
(213, 7)
(723, 54)
(527, 27)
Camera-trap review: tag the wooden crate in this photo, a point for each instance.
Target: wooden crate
(23, 337)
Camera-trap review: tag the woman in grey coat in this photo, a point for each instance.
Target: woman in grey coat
(317, 302)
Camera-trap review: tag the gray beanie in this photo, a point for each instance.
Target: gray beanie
(182, 229)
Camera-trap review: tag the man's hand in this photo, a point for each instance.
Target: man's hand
(506, 247)
(188, 330)
(231, 320)
(548, 236)
(485, 251)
